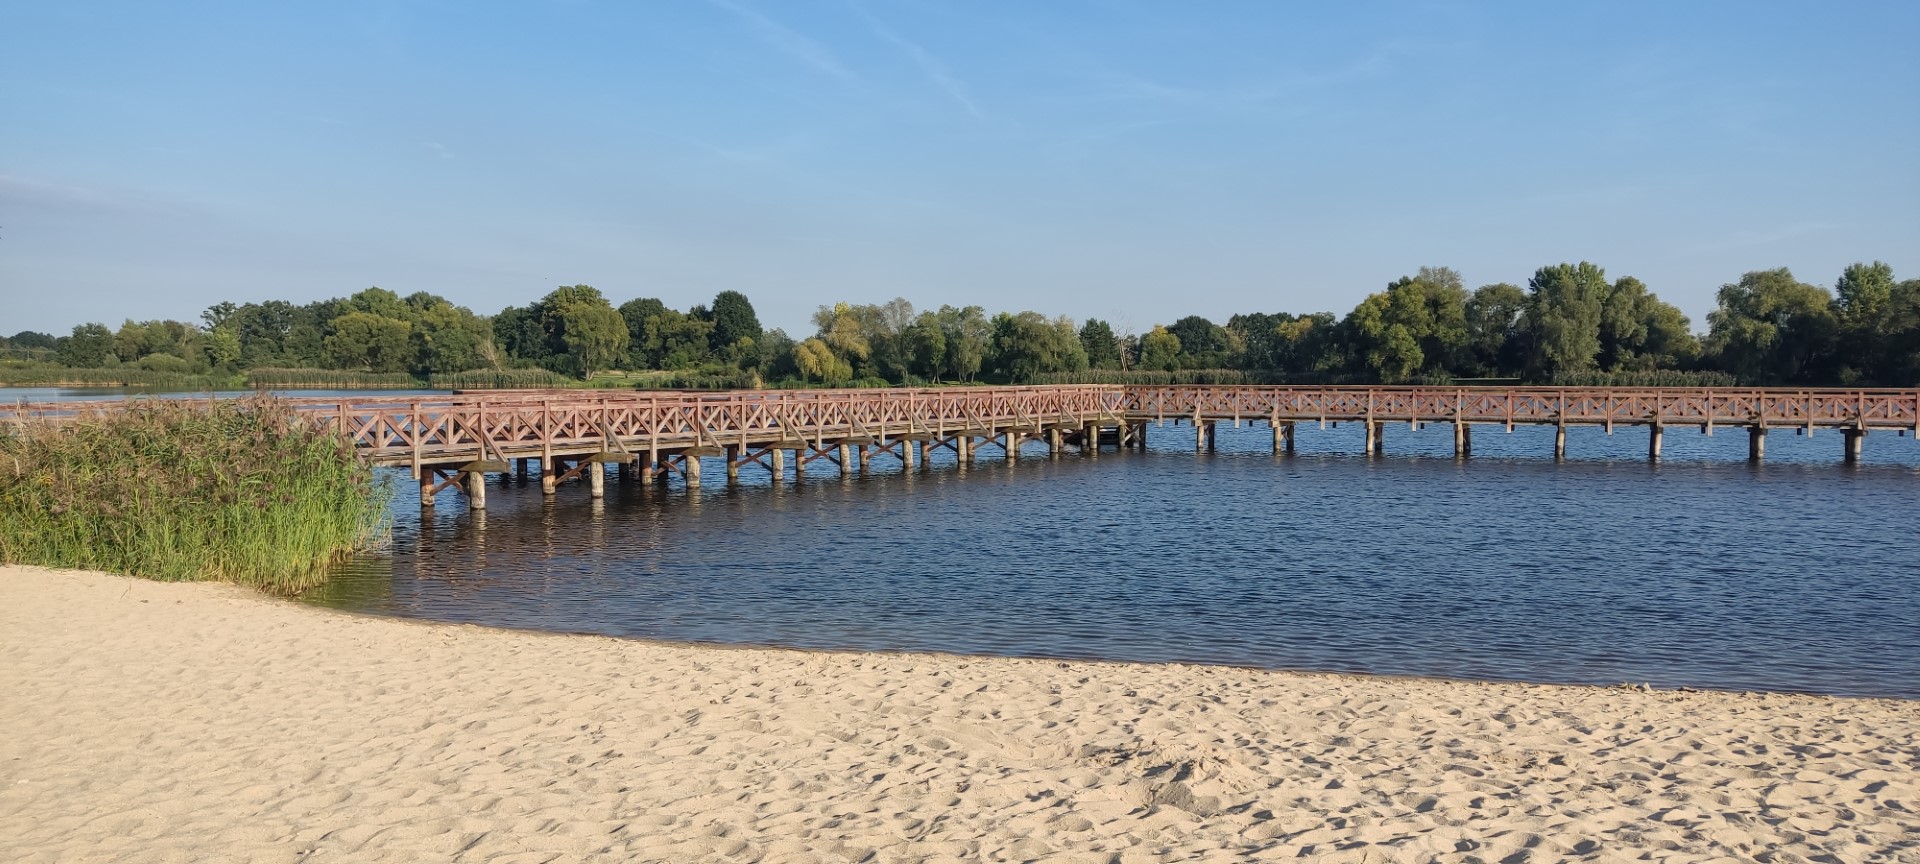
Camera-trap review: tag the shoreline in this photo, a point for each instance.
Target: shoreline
(161, 721)
(910, 653)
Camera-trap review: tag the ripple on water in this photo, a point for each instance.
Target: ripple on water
(1799, 574)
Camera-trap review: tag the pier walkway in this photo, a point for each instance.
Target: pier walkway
(454, 441)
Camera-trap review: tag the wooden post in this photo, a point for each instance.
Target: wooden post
(476, 490)
(866, 458)
(597, 479)
(733, 463)
(1372, 443)
(1462, 439)
(692, 463)
(1287, 434)
(1213, 438)
(1279, 439)
(778, 459)
(1012, 446)
(799, 464)
(906, 455)
(845, 453)
(549, 469)
(1140, 436)
(1560, 441)
(1654, 431)
(926, 454)
(520, 468)
(1756, 443)
(426, 488)
(1853, 437)
(1090, 439)
(1053, 443)
(1200, 431)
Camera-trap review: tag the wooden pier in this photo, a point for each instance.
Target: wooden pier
(455, 441)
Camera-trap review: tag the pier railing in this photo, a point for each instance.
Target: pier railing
(493, 426)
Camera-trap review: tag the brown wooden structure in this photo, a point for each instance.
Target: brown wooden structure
(454, 441)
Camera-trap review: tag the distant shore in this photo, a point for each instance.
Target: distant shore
(142, 721)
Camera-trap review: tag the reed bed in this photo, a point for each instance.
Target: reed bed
(240, 491)
(122, 376)
(501, 379)
(336, 379)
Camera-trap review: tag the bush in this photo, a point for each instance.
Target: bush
(340, 379)
(242, 491)
(166, 363)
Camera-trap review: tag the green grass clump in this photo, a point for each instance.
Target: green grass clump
(501, 379)
(239, 491)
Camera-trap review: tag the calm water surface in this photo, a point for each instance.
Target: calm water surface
(1799, 574)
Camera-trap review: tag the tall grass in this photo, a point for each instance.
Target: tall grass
(1648, 378)
(38, 375)
(337, 379)
(501, 379)
(239, 491)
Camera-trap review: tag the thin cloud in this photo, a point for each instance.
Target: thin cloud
(929, 65)
(787, 40)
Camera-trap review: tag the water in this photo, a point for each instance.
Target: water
(10, 395)
(1703, 571)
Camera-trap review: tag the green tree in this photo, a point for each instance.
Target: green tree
(1865, 315)
(1102, 347)
(1203, 344)
(1027, 344)
(1159, 350)
(733, 320)
(636, 313)
(517, 330)
(90, 347)
(1563, 316)
(448, 338)
(583, 328)
(1640, 332)
(926, 346)
(1496, 330)
(368, 342)
(967, 334)
(1771, 328)
(817, 361)
(1419, 324)
(677, 340)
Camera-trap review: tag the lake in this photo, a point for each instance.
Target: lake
(1704, 571)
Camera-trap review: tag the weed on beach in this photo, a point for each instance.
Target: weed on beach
(242, 491)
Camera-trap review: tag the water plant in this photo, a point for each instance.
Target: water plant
(243, 491)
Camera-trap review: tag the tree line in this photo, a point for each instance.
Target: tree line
(1569, 324)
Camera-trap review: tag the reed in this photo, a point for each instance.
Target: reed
(242, 491)
(1647, 378)
(335, 379)
(501, 379)
(38, 375)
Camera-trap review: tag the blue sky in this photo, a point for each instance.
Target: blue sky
(1136, 161)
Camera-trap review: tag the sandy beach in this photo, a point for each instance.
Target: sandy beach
(166, 722)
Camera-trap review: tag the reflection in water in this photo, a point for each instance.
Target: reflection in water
(1702, 570)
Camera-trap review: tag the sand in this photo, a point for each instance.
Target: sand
(161, 722)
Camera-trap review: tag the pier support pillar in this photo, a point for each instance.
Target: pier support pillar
(1140, 436)
(906, 455)
(733, 463)
(1654, 432)
(520, 468)
(1090, 440)
(1462, 439)
(799, 465)
(1376, 440)
(1853, 437)
(597, 479)
(926, 454)
(426, 489)
(866, 458)
(1013, 447)
(1279, 439)
(476, 490)
(963, 445)
(1200, 435)
(549, 469)
(1756, 443)
(1053, 443)
(777, 460)
(1560, 441)
(1287, 436)
(693, 471)
(845, 454)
